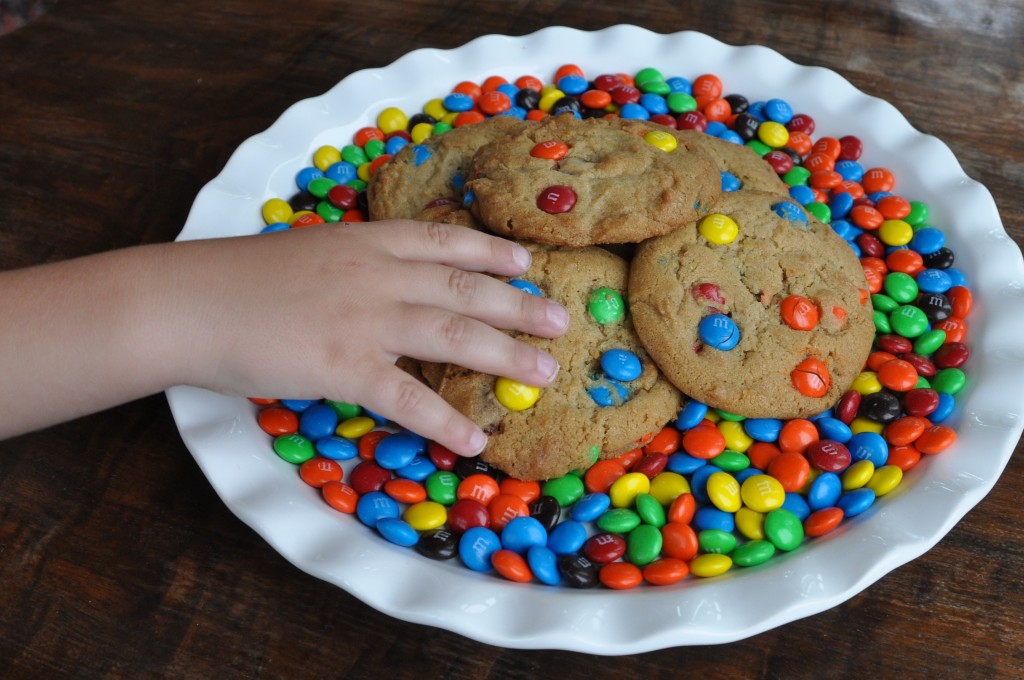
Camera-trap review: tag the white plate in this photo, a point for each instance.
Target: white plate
(265, 492)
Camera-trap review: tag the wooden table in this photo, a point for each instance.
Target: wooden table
(116, 557)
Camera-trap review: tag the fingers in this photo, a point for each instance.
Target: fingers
(414, 406)
(441, 336)
(487, 299)
(457, 246)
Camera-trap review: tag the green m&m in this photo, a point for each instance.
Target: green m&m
(900, 287)
(566, 490)
(606, 306)
(442, 487)
(619, 520)
(717, 541)
(909, 321)
(753, 553)
(650, 510)
(643, 545)
(783, 529)
(294, 448)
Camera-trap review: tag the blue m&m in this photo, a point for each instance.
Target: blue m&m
(526, 287)
(719, 331)
(621, 364)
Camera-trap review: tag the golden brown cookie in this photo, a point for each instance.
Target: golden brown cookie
(566, 428)
(432, 373)
(432, 172)
(449, 213)
(752, 171)
(737, 159)
(413, 367)
(773, 323)
(567, 181)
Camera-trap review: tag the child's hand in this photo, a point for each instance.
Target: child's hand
(325, 311)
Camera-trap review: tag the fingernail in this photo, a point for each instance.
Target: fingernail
(547, 366)
(522, 257)
(477, 442)
(558, 315)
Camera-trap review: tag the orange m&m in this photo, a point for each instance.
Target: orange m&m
(799, 313)
(811, 378)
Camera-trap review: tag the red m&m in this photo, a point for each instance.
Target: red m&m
(557, 199)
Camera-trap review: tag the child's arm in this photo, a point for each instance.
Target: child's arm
(314, 312)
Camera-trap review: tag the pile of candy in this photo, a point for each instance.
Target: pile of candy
(712, 489)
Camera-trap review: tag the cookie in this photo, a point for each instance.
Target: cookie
(742, 162)
(413, 367)
(739, 160)
(572, 182)
(449, 213)
(584, 414)
(432, 373)
(432, 173)
(758, 309)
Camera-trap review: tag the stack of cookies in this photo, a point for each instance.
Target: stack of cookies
(739, 299)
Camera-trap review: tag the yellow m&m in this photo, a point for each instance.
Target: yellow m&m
(626, 488)
(736, 438)
(667, 486)
(515, 396)
(762, 493)
(661, 140)
(895, 233)
(858, 475)
(885, 479)
(354, 428)
(773, 134)
(392, 119)
(276, 210)
(724, 491)
(719, 228)
(426, 515)
(710, 564)
(435, 109)
(866, 383)
(326, 156)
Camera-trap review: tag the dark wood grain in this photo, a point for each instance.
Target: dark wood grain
(116, 557)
